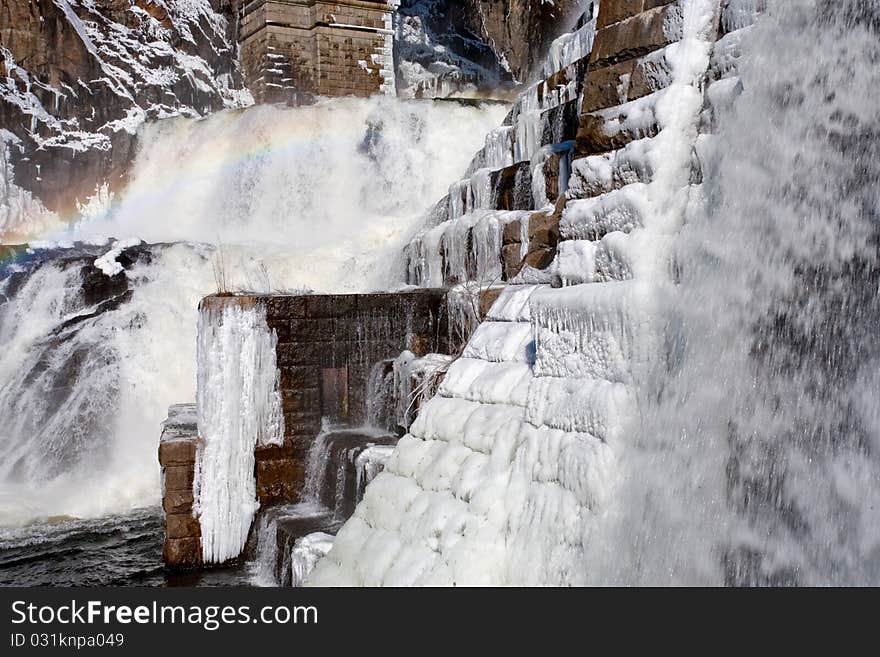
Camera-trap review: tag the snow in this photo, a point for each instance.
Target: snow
(108, 264)
(239, 404)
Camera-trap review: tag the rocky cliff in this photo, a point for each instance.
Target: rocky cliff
(520, 31)
(77, 78)
(477, 47)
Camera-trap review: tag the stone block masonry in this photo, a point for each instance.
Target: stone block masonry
(177, 456)
(327, 347)
(293, 50)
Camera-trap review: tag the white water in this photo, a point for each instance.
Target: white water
(769, 424)
(298, 198)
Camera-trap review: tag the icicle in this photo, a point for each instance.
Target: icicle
(239, 408)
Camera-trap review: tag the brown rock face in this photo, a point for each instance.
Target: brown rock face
(76, 82)
(520, 31)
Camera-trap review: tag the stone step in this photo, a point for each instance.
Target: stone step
(596, 175)
(488, 382)
(592, 218)
(620, 10)
(531, 242)
(613, 128)
(650, 29)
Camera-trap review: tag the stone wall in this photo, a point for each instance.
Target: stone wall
(327, 347)
(293, 49)
(177, 456)
(622, 67)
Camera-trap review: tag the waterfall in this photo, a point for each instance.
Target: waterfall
(758, 457)
(99, 337)
(782, 362)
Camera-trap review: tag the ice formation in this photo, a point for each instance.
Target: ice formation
(434, 60)
(20, 212)
(305, 554)
(239, 404)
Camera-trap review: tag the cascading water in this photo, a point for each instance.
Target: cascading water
(758, 458)
(320, 197)
(795, 298)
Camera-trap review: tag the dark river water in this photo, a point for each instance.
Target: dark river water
(116, 551)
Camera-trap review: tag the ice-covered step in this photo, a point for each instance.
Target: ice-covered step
(501, 341)
(739, 14)
(603, 409)
(472, 193)
(497, 152)
(432, 464)
(414, 536)
(726, 54)
(305, 554)
(463, 473)
(467, 248)
(615, 127)
(602, 330)
(480, 427)
(592, 218)
(585, 261)
(512, 304)
(599, 174)
(578, 462)
(487, 382)
(569, 48)
(720, 95)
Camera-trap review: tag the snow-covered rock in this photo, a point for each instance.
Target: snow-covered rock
(78, 78)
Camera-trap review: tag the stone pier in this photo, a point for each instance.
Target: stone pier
(293, 50)
(177, 456)
(327, 346)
